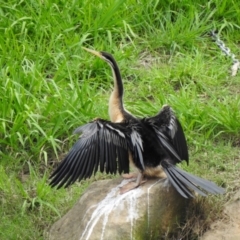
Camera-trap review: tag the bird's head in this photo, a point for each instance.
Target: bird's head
(107, 57)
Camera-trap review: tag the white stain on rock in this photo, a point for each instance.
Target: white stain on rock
(105, 207)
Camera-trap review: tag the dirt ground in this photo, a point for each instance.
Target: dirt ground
(229, 227)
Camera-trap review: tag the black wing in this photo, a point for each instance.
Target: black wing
(103, 146)
(170, 133)
(171, 136)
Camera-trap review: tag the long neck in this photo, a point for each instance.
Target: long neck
(116, 109)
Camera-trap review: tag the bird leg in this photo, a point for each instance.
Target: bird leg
(131, 185)
(130, 175)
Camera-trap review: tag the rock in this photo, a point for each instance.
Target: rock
(147, 212)
(228, 228)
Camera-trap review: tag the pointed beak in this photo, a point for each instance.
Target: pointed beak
(93, 52)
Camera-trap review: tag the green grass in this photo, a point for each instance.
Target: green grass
(49, 86)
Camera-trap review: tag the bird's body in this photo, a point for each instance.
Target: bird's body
(154, 145)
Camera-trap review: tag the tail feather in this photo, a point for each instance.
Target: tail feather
(184, 182)
(206, 185)
(187, 182)
(181, 188)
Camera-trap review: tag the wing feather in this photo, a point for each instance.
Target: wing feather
(170, 133)
(103, 145)
(137, 147)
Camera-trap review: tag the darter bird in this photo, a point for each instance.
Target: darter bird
(154, 145)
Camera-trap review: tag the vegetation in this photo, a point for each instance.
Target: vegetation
(49, 86)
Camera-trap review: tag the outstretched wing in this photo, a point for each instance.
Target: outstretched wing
(170, 133)
(103, 145)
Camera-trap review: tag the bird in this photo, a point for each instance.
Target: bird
(153, 145)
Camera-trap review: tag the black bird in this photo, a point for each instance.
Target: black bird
(154, 145)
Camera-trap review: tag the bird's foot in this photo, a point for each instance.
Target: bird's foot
(131, 185)
(130, 175)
